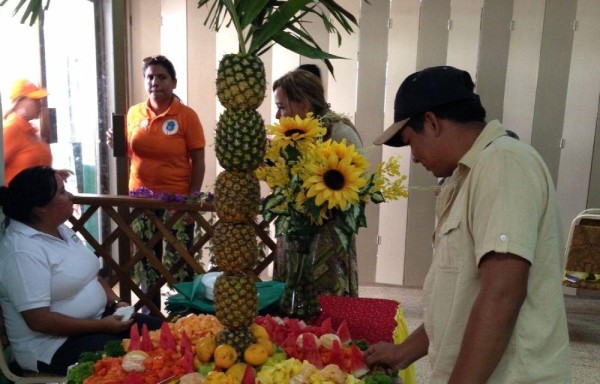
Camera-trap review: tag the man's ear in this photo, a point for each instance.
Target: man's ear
(432, 121)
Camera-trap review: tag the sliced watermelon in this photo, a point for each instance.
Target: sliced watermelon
(134, 338)
(358, 367)
(146, 343)
(186, 344)
(167, 340)
(134, 378)
(326, 326)
(344, 333)
(336, 355)
(310, 351)
(248, 377)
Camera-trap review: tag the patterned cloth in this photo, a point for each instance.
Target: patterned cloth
(336, 271)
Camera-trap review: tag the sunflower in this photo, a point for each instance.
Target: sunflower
(335, 181)
(294, 130)
(341, 149)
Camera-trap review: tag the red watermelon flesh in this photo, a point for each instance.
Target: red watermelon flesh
(326, 326)
(310, 350)
(358, 367)
(167, 341)
(248, 377)
(134, 338)
(146, 344)
(336, 355)
(344, 333)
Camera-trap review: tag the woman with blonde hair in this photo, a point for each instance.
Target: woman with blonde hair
(298, 93)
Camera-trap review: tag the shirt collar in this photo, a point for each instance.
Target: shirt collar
(491, 132)
(27, 231)
(173, 109)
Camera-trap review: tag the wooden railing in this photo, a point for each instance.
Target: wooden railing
(131, 248)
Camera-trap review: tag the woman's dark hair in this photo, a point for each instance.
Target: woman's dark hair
(31, 188)
(462, 111)
(312, 68)
(159, 60)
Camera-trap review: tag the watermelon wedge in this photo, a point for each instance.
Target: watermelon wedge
(134, 338)
(336, 356)
(358, 367)
(167, 341)
(146, 343)
(326, 326)
(344, 333)
(310, 350)
(248, 377)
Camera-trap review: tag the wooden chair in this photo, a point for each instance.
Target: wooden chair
(28, 377)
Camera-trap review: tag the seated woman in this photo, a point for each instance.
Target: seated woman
(54, 303)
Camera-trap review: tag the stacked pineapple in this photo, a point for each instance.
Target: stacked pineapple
(240, 147)
(240, 142)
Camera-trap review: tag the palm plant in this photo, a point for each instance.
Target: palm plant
(32, 11)
(261, 23)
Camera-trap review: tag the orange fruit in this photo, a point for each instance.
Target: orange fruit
(236, 371)
(256, 354)
(205, 347)
(268, 344)
(259, 332)
(225, 356)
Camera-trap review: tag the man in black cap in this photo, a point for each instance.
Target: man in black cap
(494, 309)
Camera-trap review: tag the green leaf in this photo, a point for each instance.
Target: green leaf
(377, 197)
(276, 22)
(250, 10)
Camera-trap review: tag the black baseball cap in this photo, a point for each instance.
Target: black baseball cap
(423, 91)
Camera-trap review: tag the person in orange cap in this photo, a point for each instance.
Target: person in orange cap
(23, 146)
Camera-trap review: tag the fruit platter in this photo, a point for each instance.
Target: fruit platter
(194, 349)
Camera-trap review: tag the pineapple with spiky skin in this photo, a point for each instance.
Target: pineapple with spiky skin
(235, 247)
(241, 140)
(235, 300)
(237, 196)
(241, 82)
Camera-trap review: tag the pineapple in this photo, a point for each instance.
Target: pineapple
(241, 82)
(237, 196)
(240, 141)
(235, 247)
(236, 301)
(239, 339)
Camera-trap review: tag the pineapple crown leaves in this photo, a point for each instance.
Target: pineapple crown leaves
(261, 23)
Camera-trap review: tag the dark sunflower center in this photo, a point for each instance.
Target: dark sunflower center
(334, 179)
(290, 132)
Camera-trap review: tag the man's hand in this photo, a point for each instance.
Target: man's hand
(393, 357)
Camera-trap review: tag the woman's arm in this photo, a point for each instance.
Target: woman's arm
(198, 168)
(52, 323)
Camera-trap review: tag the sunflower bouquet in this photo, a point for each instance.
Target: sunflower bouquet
(314, 181)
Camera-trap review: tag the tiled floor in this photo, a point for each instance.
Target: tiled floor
(583, 316)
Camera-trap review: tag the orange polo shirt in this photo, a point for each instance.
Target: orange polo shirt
(159, 146)
(23, 147)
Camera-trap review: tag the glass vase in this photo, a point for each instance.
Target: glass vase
(300, 299)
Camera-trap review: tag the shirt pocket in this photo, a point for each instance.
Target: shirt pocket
(448, 250)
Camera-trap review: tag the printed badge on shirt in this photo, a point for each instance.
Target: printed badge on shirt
(170, 127)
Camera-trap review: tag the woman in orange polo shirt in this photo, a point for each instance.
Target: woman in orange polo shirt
(23, 146)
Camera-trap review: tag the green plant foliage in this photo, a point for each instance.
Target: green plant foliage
(32, 11)
(261, 23)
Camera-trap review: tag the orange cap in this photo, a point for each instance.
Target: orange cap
(25, 88)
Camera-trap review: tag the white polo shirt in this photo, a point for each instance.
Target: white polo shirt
(38, 270)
